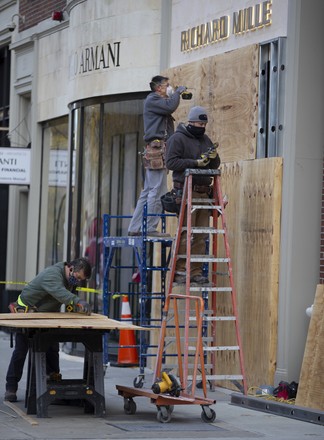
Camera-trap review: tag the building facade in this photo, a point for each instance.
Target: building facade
(79, 73)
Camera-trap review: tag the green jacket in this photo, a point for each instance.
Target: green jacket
(49, 290)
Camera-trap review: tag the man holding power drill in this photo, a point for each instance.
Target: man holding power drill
(190, 147)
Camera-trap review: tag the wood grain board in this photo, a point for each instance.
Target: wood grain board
(253, 221)
(227, 86)
(310, 392)
(63, 320)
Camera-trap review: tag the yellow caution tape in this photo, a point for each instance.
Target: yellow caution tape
(13, 282)
(82, 289)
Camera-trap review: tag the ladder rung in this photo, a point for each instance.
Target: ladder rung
(219, 377)
(205, 259)
(194, 207)
(222, 348)
(214, 318)
(175, 366)
(210, 289)
(197, 230)
(219, 318)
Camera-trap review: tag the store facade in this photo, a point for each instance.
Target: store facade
(77, 92)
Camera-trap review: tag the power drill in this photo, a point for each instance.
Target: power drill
(210, 150)
(186, 95)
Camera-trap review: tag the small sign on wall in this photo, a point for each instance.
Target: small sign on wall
(15, 166)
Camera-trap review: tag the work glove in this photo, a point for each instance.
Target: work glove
(213, 152)
(203, 162)
(83, 307)
(181, 89)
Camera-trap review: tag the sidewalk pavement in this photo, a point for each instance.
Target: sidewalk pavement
(70, 422)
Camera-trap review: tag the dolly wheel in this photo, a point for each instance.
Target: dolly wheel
(208, 415)
(129, 406)
(138, 382)
(164, 414)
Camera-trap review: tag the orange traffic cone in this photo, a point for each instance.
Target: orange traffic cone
(127, 352)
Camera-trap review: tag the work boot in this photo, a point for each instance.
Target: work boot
(10, 396)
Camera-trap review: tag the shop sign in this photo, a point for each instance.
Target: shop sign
(97, 57)
(245, 20)
(58, 168)
(15, 166)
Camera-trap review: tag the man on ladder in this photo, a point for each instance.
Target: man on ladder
(190, 147)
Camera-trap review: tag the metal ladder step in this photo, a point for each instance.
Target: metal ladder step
(196, 230)
(210, 289)
(205, 259)
(219, 377)
(215, 348)
(175, 366)
(222, 348)
(214, 318)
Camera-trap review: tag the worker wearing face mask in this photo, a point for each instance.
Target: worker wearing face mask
(52, 287)
(190, 147)
(158, 127)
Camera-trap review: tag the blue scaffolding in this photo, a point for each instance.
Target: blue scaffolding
(142, 262)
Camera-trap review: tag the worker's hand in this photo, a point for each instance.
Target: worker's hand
(83, 307)
(181, 89)
(203, 162)
(213, 153)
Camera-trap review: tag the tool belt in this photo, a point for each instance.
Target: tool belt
(20, 307)
(154, 155)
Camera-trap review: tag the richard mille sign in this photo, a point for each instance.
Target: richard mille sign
(245, 20)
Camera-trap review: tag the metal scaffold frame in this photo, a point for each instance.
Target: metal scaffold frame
(142, 247)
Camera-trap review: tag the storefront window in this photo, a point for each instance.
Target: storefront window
(55, 172)
(106, 137)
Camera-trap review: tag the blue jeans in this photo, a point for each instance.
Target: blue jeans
(155, 186)
(16, 365)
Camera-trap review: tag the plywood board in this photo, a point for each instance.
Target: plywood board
(253, 222)
(47, 320)
(227, 86)
(51, 315)
(311, 382)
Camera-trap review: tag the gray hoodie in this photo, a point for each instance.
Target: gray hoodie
(158, 122)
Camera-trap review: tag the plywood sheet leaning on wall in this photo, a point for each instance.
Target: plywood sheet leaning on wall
(311, 382)
(253, 222)
(227, 85)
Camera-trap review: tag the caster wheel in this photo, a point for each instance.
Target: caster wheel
(163, 414)
(129, 407)
(138, 382)
(208, 415)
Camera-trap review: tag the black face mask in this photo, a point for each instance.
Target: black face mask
(196, 131)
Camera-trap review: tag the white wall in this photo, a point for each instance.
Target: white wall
(302, 181)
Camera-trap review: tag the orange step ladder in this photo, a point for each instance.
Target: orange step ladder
(221, 340)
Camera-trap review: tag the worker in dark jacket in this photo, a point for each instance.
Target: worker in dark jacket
(54, 286)
(184, 150)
